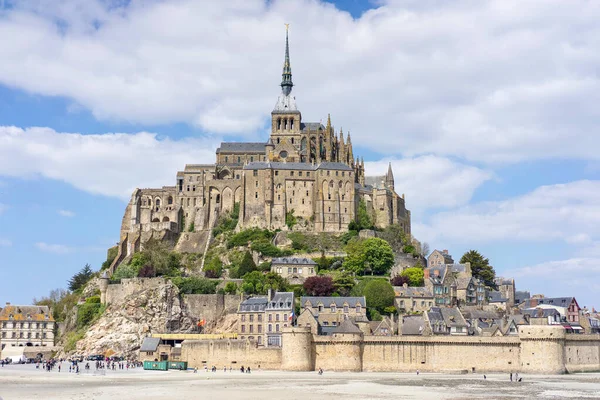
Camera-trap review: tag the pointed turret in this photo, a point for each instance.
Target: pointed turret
(349, 154)
(389, 178)
(286, 76)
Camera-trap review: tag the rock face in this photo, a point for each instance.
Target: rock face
(123, 326)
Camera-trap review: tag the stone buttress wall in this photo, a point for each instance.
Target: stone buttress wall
(116, 293)
(211, 307)
(542, 349)
(582, 353)
(226, 353)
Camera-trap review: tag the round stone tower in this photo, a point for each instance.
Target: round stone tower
(296, 349)
(542, 349)
(103, 287)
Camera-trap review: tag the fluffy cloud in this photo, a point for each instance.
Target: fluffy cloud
(53, 248)
(109, 164)
(574, 276)
(492, 81)
(454, 182)
(566, 212)
(66, 213)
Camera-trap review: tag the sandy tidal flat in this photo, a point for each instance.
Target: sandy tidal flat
(26, 382)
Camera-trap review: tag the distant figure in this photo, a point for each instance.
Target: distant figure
(516, 376)
(248, 370)
(417, 372)
(242, 369)
(511, 376)
(230, 369)
(484, 377)
(320, 371)
(224, 369)
(520, 379)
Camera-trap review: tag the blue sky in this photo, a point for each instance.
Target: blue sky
(487, 111)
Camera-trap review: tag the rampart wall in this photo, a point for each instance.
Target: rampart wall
(545, 350)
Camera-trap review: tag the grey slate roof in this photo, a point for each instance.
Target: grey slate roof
(253, 304)
(435, 315)
(453, 317)
(521, 296)
(413, 325)
(327, 301)
(293, 260)
(241, 147)
(281, 301)
(150, 344)
(412, 291)
(347, 326)
(334, 165)
(375, 181)
(541, 312)
(496, 297)
(313, 126)
(551, 301)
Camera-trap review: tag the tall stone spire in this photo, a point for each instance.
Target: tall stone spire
(286, 76)
(389, 178)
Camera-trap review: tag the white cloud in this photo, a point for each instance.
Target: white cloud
(53, 248)
(5, 242)
(66, 213)
(431, 181)
(566, 212)
(489, 80)
(109, 164)
(579, 277)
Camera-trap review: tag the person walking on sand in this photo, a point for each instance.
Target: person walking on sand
(417, 372)
(511, 376)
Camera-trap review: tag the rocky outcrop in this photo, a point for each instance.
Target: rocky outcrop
(123, 326)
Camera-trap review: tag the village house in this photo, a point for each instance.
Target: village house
(294, 269)
(439, 257)
(566, 306)
(262, 318)
(453, 284)
(446, 321)
(410, 299)
(323, 314)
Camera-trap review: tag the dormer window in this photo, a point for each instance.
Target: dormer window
(332, 308)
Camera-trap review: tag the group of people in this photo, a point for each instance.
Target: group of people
(243, 369)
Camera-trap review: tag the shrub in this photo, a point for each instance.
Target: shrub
(266, 248)
(71, 340)
(319, 285)
(88, 313)
(93, 300)
(414, 275)
(192, 227)
(290, 219)
(111, 254)
(195, 285)
(124, 271)
(399, 280)
(249, 235)
(372, 253)
(231, 288)
(379, 294)
(213, 268)
(264, 267)
(227, 222)
(147, 271)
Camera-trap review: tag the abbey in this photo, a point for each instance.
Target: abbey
(304, 169)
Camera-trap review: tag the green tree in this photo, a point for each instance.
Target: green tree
(373, 254)
(290, 219)
(213, 268)
(246, 266)
(79, 280)
(231, 288)
(254, 283)
(379, 294)
(363, 218)
(195, 285)
(343, 282)
(274, 281)
(414, 275)
(480, 267)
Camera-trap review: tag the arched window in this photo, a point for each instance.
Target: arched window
(218, 199)
(278, 123)
(292, 126)
(170, 200)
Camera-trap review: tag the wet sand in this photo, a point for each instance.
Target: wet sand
(25, 382)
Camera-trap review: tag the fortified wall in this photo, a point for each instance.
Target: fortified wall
(537, 349)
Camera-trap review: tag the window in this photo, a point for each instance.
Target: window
(251, 328)
(327, 173)
(243, 317)
(346, 309)
(270, 328)
(358, 308)
(259, 330)
(243, 328)
(270, 317)
(307, 173)
(337, 173)
(276, 317)
(291, 173)
(276, 173)
(320, 308)
(256, 195)
(251, 317)
(343, 173)
(259, 318)
(256, 183)
(251, 158)
(188, 188)
(300, 173)
(255, 173)
(333, 308)
(289, 270)
(226, 159)
(276, 327)
(239, 159)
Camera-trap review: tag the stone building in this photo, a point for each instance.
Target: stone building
(329, 312)
(294, 269)
(439, 257)
(446, 321)
(413, 299)
(22, 326)
(453, 284)
(507, 288)
(263, 318)
(305, 169)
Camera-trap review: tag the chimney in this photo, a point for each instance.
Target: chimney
(270, 294)
(436, 272)
(405, 285)
(445, 251)
(426, 273)
(8, 303)
(533, 302)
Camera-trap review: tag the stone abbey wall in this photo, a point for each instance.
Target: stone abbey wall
(537, 349)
